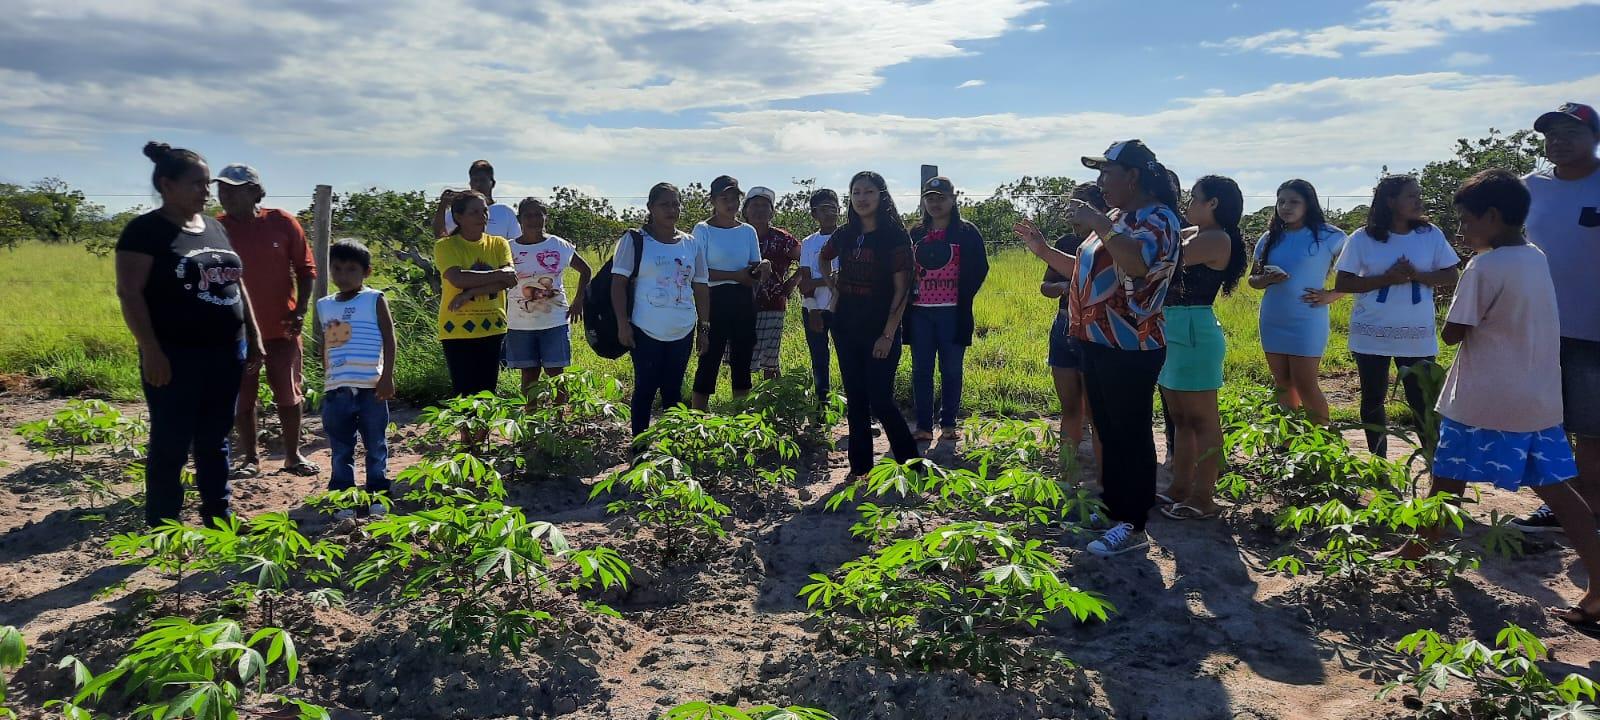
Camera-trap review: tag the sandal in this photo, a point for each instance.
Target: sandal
(1180, 511)
(247, 469)
(304, 468)
(1165, 499)
(1579, 618)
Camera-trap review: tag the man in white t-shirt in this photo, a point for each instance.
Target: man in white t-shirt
(538, 314)
(480, 177)
(816, 285)
(1564, 222)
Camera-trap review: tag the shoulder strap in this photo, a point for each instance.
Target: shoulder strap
(638, 254)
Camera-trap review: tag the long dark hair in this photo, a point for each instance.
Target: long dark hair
(1380, 217)
(1316, 220)
(888, 216)
(459, 204)
(1228, 213)
(171, 163)
(1161, 184)
(656, 191)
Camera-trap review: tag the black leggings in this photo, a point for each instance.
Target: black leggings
(474, 363)
(1120, 385)
(869, 392)
(1374, 372)
(733, 327)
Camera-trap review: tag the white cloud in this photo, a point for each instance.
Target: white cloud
(1464, 59)
(1390, 27)
(970, 84)
(1036, 27)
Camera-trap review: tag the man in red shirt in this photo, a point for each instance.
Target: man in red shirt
(278, 274)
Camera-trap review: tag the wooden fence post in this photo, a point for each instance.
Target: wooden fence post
(321, 237)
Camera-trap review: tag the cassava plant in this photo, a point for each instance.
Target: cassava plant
(183, 670)
(1354, 538)
(83, 424)
(482, 574)
(485, 425)
(1503, 682)
(13, 652)
(1282, 453)
(956, 597)
(569, 416)
(791, 405)
(701, 710)
(740, 453)
(661, 495)
(173, 548)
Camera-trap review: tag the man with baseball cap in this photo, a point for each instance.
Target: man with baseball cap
(1564, 222)
(278, 271)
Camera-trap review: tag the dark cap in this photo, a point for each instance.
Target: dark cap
(1577, 111)
(939, 184)
(724, 183)
(824, 196)
(1128, 153)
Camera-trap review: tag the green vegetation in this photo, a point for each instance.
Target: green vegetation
(13, 651)
(1502, 682)
(701, 710)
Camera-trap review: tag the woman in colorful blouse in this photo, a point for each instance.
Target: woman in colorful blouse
(951, 264)
(1119, 285)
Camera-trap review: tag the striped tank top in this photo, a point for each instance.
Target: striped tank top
(351, 340)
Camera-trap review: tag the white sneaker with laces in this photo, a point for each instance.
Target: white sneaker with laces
(377, 510)
(345, 514)
(1542, 520)
(1118, 540)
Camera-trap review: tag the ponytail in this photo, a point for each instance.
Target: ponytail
(171, 163)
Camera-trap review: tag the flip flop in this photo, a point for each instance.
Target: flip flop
(1164, 499)
(1179, 511)
(1586, 622)
(303, 469)
(245, 470)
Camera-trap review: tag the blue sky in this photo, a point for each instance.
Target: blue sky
(612, 97)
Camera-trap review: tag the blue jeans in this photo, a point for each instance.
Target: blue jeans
(658, 367)
(347, 412)
(195, 409)
(933, 339)
(817, 344)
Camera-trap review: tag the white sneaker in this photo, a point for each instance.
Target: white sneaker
(1118, 540)
(345, 514)
(377, 510)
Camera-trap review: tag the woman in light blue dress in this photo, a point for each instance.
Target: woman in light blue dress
(1292, 262)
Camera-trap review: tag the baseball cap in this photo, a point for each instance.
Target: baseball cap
(724, 183)
(1577, 111)
(939, 184)
(824, 196)
(1127, 153)
(762, 191)
(239, 174)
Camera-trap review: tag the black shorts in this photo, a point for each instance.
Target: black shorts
(474, 363)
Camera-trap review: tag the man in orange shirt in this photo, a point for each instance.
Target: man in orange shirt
(278, 271)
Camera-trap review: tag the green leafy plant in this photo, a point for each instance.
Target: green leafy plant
(482, 574)
(1355, 537)
(183, 670)
(485, 425)
(791, 405)
(952, 598)
(81, 425)
(725, 452)
(569, 416)
(1286, 455)
(664, 497)
(13, 652)
(442, 481)
(701, 710)
(1502, 682)
(173, 548)
(1010, 442)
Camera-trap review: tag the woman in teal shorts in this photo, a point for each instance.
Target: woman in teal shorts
(1214, 258)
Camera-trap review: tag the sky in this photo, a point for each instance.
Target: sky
(612, 97)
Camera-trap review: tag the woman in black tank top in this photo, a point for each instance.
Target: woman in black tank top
(1213, 260)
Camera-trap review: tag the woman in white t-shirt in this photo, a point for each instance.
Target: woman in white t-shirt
(735, 267)
(537, 312)
(1392, 266)
(670, 302)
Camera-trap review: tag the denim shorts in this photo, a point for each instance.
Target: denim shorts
(1580, 386)
(548, 348)
(1065, 351)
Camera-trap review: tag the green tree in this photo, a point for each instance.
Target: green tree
(585, 221)
(1520, 152)
(12, 229)
(52, 210)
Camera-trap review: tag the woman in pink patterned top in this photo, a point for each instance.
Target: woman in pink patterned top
(951, 264)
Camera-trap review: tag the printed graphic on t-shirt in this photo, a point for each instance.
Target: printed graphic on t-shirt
(938, 271)
(672, 284)
(212, 274)
(539, 300)
(335, 333)
(856, 271)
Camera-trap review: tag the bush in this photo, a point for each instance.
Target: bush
(1503, 682)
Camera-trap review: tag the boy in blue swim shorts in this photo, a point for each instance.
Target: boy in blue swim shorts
(1501, 404)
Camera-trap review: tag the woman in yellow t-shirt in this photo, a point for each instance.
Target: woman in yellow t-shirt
(476, 268)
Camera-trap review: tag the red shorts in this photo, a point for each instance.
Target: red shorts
(283, 375)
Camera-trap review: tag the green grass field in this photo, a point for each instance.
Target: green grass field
(59, 320)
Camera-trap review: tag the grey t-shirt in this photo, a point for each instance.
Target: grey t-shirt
(1564, 222)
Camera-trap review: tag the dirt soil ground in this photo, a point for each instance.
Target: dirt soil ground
(1202, 631)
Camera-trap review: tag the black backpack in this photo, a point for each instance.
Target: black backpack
(599, 315)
